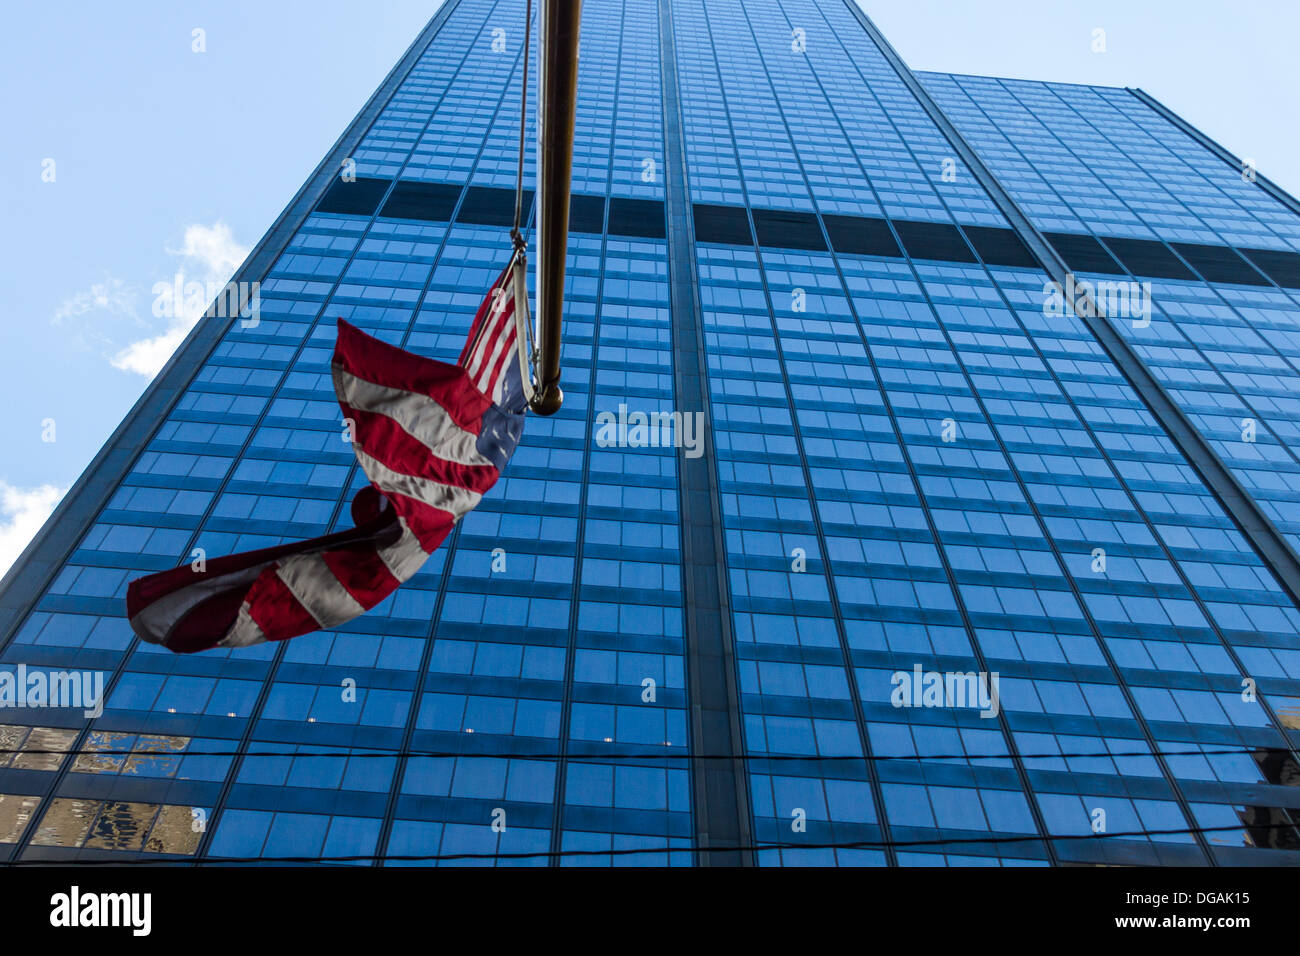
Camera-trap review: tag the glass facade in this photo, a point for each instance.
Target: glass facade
(914, 470)
(1222, 337)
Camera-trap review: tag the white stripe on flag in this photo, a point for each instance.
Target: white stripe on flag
(419, 415)
(162, 615)
(404, 556)
(491, 328)
(499, 388)
(244, 632)
(486, 352)
(454, 500)
(504, 341)
(321, 594)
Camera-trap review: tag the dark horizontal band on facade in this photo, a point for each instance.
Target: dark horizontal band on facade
(852, 235)
(486, 206)
(1114, 255)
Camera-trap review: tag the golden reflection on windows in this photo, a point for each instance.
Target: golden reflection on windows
(11, 739)
(106, 756)
(174, 832)
(29, 741)
(1288, 712)
(16, 811)
(154, 764)
(144, 755)
(66, 822)
(121, 826)
(110, 825)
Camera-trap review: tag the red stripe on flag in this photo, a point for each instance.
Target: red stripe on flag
(375, 361)
(484, 310)
(143, 592)
(429, 525)
(502, 321)
(276, 611)
(506, 353)
(390, 444)
(363, 573)
(206, 622)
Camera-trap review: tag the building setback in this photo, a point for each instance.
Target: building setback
(953, 572)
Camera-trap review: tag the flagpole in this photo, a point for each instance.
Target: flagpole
(557, 105)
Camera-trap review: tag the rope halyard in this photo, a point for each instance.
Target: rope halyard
(523, 319)
(515, 235)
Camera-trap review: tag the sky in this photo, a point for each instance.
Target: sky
(136, 149)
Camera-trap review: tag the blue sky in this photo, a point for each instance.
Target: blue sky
(166, 159)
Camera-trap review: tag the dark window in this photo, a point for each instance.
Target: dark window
(1146, 257)
(933, 240)
(722, 224)
(637, 217)
(1219, 264)
(358, 198)
(999, 247)
(490, 206)
(786, 229)
(1282, 267)
(862, 236)
(586, 213)
(1084, 253)
(416, 200)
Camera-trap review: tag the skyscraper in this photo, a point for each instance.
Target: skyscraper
(985, 553)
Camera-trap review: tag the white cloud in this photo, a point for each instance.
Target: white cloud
(148, 356)
(111, 295)
(22, 512)
(105, 315)
(112, 301)
(215, 248)
(212, 255)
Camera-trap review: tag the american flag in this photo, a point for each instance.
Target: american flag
(431, 437)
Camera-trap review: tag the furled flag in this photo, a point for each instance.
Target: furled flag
(431, 437)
